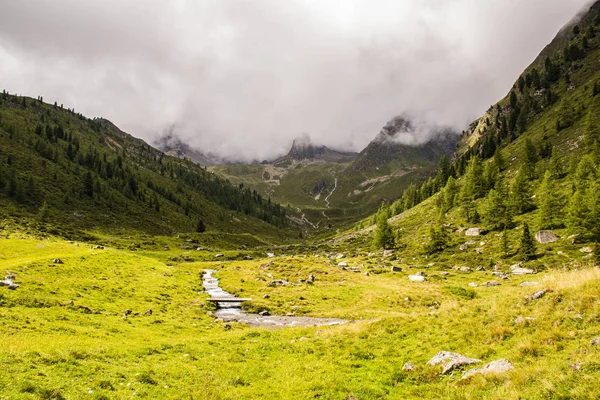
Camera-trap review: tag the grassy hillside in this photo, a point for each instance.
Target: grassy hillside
(68, 173)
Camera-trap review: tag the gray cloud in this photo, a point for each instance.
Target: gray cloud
(243, 78)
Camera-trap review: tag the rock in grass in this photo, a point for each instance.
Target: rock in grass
(278, 282)
(343, 264)
(416, 278)
(546, 237)
(473, 232)
(528, 284)
(586, 250)
(444, 273)
(311, 279)
(520, 320)
(522, 271)
(57, 261)
(473, 284)
(451, 361)
(537, 295)
(595, 342)
(396, 269)
(491, 283)
(408, 367)
(494, 367)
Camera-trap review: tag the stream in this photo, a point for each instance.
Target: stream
(232, 311)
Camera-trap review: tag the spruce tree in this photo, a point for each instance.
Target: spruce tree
(439, 237)
(592, 200)
(201, 227)
(550, 204)
(43, 213)
(528, 247)
(384, 236)
(530, 158)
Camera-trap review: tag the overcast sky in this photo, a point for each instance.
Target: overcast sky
(242, 78)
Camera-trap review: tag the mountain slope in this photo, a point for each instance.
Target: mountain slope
(91, 175)
(533, 159)
(330, 188)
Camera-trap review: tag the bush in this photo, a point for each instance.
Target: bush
(468, 294)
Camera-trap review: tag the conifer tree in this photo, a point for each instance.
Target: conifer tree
(555, 166)
(505, 245)
(43, 213)
(520, 194)
(577, 213)
(439, 237)
(201, 227)
(513, 99)
(527, 243)
(592, 200)
(550, 204)
(530, 158)
(450, 193)
(384, 236)
(497, 213)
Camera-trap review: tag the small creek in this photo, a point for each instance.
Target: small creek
(232, 311)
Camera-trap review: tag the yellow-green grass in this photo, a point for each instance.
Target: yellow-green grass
(52, 347)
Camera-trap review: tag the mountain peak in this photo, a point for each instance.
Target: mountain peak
(304, 149)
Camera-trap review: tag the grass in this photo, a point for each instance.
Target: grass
(64, 335)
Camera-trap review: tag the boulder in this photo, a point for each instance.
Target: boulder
(416, 278)
(396, 269)
(343, 264)
(388, 253)
(463, 247)
(219, 255)
(444, 273)
(595, 342)
(57, 261)
(546, 237)
(99, 247)
(451, 361)
(270, 255)
(586, 250)
(494, 367)
(340, 255)
(311, 279)
(473, 232)
(464, 269)
(473, 284)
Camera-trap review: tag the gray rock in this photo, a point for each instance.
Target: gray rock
(494, 367)
(491, 283)
(388, 253)
(473, 284)
(219, 255)
(266, 296)
(343, 264)
(470, 243)
(586, 250)
(451, 361)
(522, 271)
(57, 261)
(420, 273)
(546, 237)
(408, 367)
(473, 232)
(396, 269)
(264, 313)
(595, 342)
(99, 247)
(464, 269)
(311, 279)
(463, 247)
(444, 273)
(416, 278)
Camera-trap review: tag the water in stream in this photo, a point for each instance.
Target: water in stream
(232, 311)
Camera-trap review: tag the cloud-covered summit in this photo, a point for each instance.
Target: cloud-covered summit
(243, 78)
